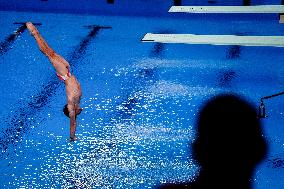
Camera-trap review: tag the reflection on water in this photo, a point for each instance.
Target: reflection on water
(158, 50)
(124, 140)
(233, 52)
(119, 151)
(7, 43)
(226, 77)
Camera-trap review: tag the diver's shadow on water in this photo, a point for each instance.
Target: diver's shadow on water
(228, 146)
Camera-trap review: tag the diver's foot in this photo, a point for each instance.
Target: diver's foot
(32, 28)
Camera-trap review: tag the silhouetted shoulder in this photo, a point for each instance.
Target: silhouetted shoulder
(229, 144)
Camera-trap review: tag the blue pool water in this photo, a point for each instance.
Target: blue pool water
(140, 100)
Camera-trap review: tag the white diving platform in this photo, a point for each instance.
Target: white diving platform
(281, 20)
(229, 9)
(274, 41)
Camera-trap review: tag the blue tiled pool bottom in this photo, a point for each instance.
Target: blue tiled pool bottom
(140, 100)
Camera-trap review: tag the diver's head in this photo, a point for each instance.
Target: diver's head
(66, 111)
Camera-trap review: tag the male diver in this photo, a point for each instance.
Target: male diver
(62, 67)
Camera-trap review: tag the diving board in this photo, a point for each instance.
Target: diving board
(229, 9)
(274, 41)
(281, 20)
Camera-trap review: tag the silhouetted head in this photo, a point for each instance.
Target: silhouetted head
(228, 134)
(66, 111)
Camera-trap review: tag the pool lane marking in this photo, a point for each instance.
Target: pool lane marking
(5, 45)
(19, 122)
(24, 23)
(78, 52)
(274, 41)
(228, 9)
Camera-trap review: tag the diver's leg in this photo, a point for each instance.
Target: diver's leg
(43, 46)
(59, 63)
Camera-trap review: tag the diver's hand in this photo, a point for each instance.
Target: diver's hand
(72, 139)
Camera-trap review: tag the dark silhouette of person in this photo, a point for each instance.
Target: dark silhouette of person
(228, 146)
